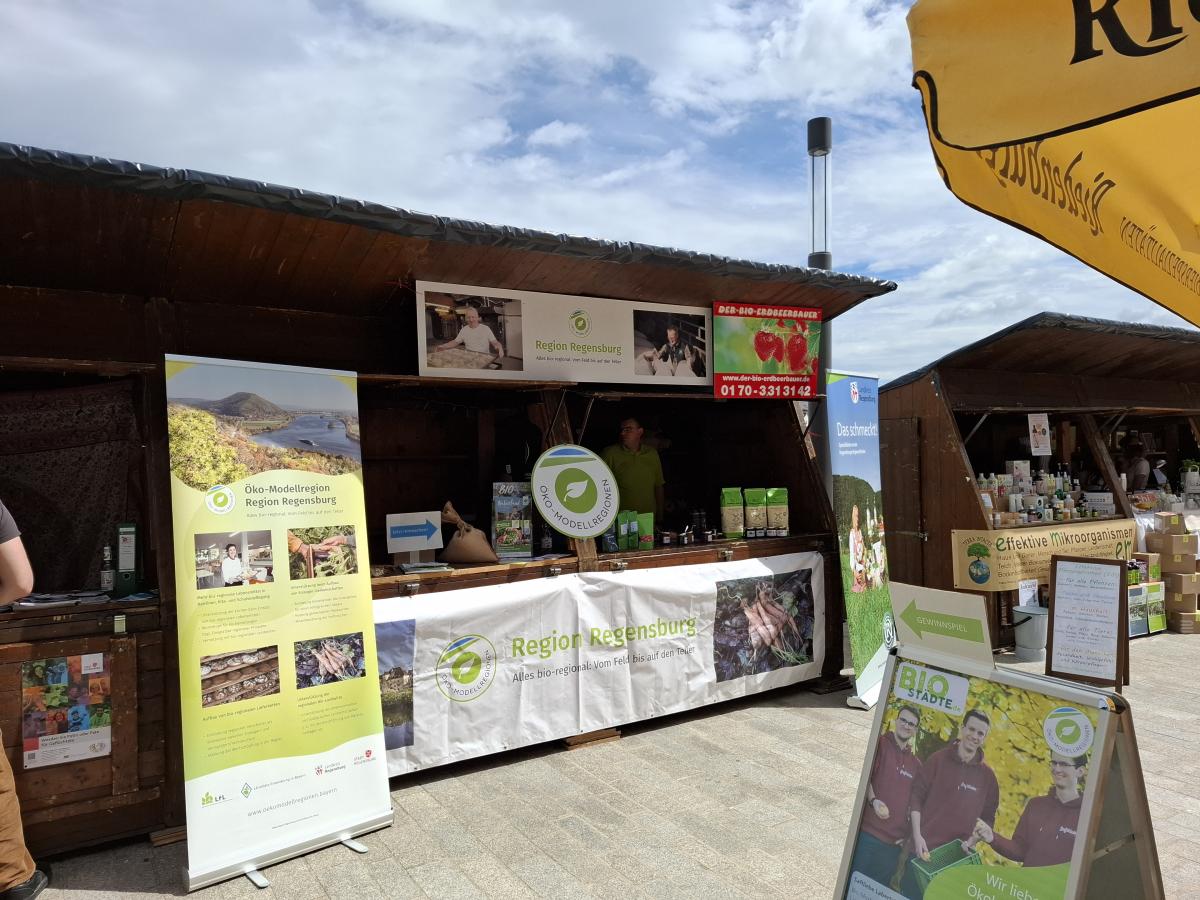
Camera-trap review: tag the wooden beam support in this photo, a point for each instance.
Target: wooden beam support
(1107, 468)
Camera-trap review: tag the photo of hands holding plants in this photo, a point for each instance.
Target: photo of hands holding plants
(762, 624)
(329, 660)
(322, 552)
(982, 802)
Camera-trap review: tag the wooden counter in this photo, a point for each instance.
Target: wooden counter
(92, 801)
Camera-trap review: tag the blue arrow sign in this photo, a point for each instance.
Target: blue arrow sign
(426, 531)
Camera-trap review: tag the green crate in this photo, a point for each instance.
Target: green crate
(944, 857)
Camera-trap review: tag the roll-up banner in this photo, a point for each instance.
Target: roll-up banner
(853, 410)
(282, 730)
(467, 331)
(471, 672)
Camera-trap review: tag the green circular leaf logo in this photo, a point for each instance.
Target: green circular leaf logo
(1068, 731)
(219, 499)
(575, 490)
(580, 323)
(466, 668)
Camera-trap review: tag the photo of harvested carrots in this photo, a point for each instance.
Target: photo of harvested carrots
(329, 659)
(762, 624)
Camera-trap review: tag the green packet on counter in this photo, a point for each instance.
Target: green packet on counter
(756, 512)
(733, 517)
(777, 512)
(645, 531)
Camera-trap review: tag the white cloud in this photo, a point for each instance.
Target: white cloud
(684, 119)
(557, 134)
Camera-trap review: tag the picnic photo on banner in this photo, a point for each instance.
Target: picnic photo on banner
(975, 789)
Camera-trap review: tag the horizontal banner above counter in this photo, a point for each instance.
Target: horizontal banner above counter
(999, 560)
(477, 671)
(465, 331)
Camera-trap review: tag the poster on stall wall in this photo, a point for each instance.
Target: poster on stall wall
(853, 410)
(1000, 559)
(982, 786)
(765, 351)
(1039, 434)
(66, 709)
(282, 730)
(468, 331)
(471, 672)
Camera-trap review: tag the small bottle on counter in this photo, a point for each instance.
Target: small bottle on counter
(108, 572)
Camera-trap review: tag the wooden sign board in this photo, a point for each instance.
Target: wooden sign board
(1035, 749)
(1088, 629)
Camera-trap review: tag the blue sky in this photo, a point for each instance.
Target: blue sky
(289, 389)
(676, 122)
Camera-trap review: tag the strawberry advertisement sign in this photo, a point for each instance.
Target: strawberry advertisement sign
(765, 352)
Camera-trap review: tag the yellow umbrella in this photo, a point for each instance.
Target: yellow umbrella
(1075, 120)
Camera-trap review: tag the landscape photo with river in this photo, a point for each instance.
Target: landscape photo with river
(227, 422)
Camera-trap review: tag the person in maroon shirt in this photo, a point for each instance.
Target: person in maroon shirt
(955, 790)
(885, 819)
(1045, 834)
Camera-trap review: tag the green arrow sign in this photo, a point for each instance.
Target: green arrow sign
(924, 622)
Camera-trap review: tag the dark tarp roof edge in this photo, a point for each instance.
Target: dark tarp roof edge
(1123, 335)
(185, 184)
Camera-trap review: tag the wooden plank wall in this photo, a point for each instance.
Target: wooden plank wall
(76, 804)
(948, 497)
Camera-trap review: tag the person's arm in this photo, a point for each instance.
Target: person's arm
(1139, 475)
(497, 346)
(454, 343)
(991, 802)
(1013, 848)
(916, 805)
(16, 574)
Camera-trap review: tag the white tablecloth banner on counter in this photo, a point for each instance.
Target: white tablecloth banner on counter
(471, 672)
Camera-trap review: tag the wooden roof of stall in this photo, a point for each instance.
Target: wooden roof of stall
(82, 223)
(1053, 361)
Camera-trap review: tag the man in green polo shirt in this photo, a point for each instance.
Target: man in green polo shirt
(638, 471)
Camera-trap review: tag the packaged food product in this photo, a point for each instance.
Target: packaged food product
(777, 512)
(608, 541)
(645, 531)
(632, 540)
(622, 530)
(733, 516)
(756, 512)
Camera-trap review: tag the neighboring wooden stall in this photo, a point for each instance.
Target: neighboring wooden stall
(105, 266)
(967, 413)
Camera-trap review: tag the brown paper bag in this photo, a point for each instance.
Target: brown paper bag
(469, 544)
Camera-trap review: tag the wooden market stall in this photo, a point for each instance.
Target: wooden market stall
(967, 413)
(106, 266)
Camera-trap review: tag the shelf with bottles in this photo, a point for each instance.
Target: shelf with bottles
(1023, 496)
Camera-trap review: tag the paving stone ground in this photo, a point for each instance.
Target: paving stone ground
(744, 799)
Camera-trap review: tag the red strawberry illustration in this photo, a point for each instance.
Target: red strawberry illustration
(764, 345)
(777, 350)
(797, 352)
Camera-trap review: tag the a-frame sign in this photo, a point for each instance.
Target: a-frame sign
(991, 782)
